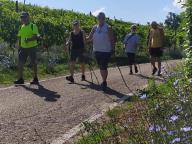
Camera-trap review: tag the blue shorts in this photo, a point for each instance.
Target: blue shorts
(102, 59)
(131, 58)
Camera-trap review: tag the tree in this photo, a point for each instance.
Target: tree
(17, 7)
(173, 22)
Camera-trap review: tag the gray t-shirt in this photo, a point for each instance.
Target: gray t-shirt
(101, 40)
(131, 42)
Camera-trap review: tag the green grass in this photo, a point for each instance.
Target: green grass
(99, 135)
(7, 76)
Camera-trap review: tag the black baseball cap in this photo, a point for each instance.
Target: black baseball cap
(24, 14)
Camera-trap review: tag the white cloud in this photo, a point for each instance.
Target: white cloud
(176, 6)
(167, 9)
(96, 12)
(178, 3)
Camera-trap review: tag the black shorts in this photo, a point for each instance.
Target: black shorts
(102, 59)
(156, 52)
(24, 53)
(77, 55)
(131, 58)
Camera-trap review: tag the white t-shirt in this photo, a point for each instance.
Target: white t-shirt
(101, 40)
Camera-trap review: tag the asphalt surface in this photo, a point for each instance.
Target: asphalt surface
(39, 115)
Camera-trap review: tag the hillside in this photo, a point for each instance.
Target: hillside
(54, 24)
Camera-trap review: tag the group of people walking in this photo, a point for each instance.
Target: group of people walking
(103, 39)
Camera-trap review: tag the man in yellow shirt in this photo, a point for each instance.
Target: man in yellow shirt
(28, 36)
(155, 45)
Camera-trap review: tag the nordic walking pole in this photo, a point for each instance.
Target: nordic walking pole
(139, 67)
(91, 70)
(90, 66)
(124, 80)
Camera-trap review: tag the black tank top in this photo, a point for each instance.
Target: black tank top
(77, 41)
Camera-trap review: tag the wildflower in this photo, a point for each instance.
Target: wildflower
(175, 84)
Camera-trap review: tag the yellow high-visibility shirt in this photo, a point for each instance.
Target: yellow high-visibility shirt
(28, 31)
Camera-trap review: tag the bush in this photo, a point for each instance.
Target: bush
(174, 54)
(188, 63)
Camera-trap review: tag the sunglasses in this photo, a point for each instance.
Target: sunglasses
(23, 17)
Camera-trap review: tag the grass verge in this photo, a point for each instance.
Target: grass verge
(161, 114)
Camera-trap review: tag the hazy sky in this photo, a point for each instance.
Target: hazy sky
(138, 11)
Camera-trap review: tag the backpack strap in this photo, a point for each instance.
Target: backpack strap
(129, 37)
(95, 28)
(32, 26)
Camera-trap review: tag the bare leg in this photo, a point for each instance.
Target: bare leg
(136, 69)
(72, 68)
(131, 69)
(159, 65)
(153, 61)
(104, 75)
(83, 68)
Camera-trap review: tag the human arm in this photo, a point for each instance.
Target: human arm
(111, 38)
(149, 39)
(90, 37)
(68, 43)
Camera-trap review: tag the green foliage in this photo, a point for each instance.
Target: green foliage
(175, 35)
(173, 21)
(188, 63)
(54, 24)
(97, 132)
(188, 60)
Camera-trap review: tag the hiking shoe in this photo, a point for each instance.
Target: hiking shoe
(19, 82)
(131, 72)
(70, 78)
(154, 71)
(35, 81)
(159, 73)
(104, 86)
(83, 78)
(136, 70)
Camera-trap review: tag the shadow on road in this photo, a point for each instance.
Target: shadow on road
(93, 86)
(50, 96)
(150, 78)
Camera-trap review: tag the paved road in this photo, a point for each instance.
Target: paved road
(38, 115)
